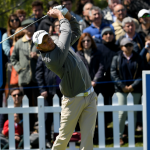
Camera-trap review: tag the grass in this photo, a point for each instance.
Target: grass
(109, 140)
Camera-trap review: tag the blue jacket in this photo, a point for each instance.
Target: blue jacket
(93, 31)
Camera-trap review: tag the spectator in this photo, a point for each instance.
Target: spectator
(92, 59)
(21, 14)
(108, 12)
(47, 22)
(46, 79)
(86, 21)
(130, 33)
(126, 66)
(120, 12)
(133, 7)
(3, 61)
(144, 19)
(12, 24)
(37, 9)
(55, 28)
(14, 74)
(98, 24)
(18, 129)
(24, 59)
(80, 4)
(145, 53)
(68, 5)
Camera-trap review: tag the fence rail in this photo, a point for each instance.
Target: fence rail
(56, 109)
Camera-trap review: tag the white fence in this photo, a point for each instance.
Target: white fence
(56, 109)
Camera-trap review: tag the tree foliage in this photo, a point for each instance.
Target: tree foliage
(8, 7)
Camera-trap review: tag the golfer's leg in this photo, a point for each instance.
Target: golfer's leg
(71, 110)
(87, 122)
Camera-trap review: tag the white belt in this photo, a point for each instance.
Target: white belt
(86, 93)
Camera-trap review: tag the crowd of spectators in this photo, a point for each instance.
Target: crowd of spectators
(114, 46)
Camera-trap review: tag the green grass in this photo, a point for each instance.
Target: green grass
(109, 139)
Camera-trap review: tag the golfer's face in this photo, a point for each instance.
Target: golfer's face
(47, 43)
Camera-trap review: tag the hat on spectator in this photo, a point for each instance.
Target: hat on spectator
(38, 36)
(26, 22)
(125, 41)
(142, 12)
(106, 29)
(126, 20)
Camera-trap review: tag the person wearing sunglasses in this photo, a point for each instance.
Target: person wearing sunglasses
(126, 73)
(144, 19)
(12, 24)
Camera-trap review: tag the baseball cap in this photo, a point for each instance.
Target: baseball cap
(106, 29)
(125, 41)
(26, 22)
(38, 36)
(142, 12)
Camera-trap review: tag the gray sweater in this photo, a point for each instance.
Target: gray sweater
(65, 63)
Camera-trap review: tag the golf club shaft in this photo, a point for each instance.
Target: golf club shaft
(22, 29)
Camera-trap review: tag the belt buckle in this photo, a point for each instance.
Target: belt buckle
(86, 94)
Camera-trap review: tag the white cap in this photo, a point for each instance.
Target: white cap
(38, 36)
(142, 12)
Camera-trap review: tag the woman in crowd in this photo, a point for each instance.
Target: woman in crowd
(21, 14)
(12, 24)
(14, 74)
(92, 59)
(126, 68)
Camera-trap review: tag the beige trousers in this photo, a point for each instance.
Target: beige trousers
(83, 109)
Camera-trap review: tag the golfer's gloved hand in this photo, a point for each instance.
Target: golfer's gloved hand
(62, 8)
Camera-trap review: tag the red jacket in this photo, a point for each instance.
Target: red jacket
(18, 128)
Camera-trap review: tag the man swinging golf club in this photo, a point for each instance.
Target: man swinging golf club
(79, 100)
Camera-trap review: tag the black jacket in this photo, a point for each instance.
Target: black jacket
(117, 76)
(95, 68)
(46, 79)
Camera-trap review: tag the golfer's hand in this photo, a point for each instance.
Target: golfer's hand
(55, 13)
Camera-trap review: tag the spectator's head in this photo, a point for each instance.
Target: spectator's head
(67, 3)
(56, 27)
(120, 12)
(37, 9)
(17, 95)
(12, 24)
(126, 46)
(83, 2)
(144, 16)
(95, 15)
(21, 14)
(107, 34)
(128, 25)
(127, 2)
(43, 40)
(113, 3)
(86, 9)
(31, 29)
(86, 42)
(18, 36)
(52, 4)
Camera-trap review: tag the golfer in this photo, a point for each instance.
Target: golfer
(79, 100)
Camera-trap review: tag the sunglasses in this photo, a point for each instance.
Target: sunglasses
(146, 15)
(110, 33)
(86, 40)
(121, 10)
(19, 94)
(128, 45)
(12, 20)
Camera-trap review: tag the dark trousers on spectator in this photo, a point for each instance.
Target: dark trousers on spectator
(32, 92)
(49, 116)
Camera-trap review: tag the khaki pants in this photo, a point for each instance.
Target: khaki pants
(83, 109)
(122, 100)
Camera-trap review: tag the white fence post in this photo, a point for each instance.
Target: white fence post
(131, 130)
(41, 119)
(26, 129)
(11, 125)
(101, 123)
(56, 114)
(116, 128)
